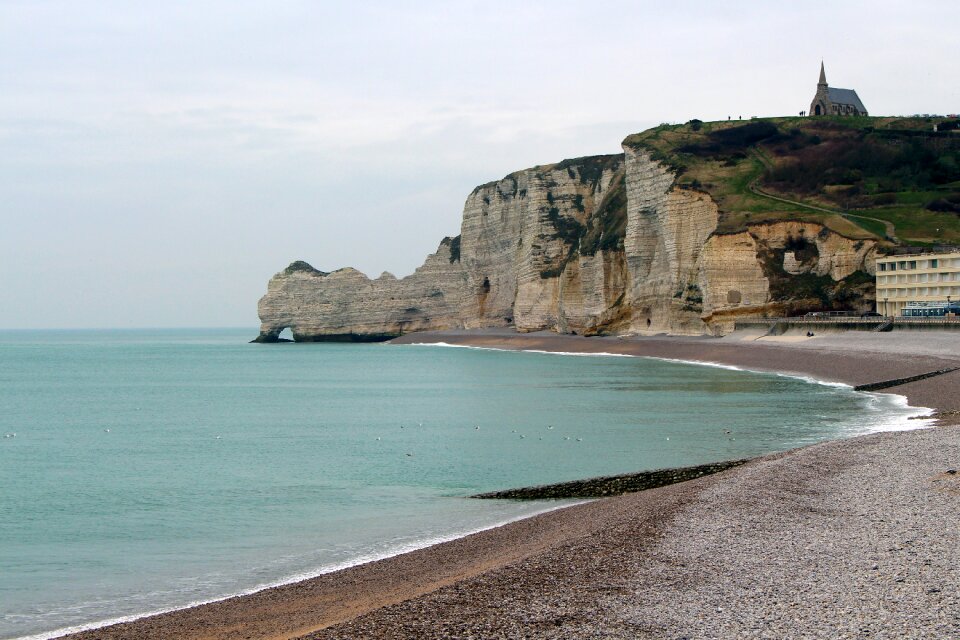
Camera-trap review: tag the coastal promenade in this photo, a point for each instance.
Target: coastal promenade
(852, 538)
(780, 326)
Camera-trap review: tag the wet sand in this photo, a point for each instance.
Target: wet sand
(856, 537)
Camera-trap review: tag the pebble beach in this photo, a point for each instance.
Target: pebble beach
(855, 538)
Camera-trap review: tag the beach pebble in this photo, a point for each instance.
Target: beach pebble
(790, 546)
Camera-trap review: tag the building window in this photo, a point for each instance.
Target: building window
(934, 264)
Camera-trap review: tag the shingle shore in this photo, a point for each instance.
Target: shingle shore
(856, 539)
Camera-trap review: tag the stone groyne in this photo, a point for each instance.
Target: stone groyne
(896, 382)
(605, 486)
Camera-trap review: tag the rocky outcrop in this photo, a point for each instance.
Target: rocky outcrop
(812, 248)
(346, 305)
(540, 249)
(603, 244)
(667, 228)
(731, 276)
(521, 248)
(771, 269)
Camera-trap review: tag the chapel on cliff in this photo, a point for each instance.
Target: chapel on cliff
(831, 101)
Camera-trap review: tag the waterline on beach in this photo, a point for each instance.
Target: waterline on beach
(259, 466)
(305, 575)
(905, 417)
(506, 350)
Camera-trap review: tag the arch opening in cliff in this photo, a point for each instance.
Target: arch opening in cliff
(274, 335)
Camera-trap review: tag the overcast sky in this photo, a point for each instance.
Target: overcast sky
(158, 164)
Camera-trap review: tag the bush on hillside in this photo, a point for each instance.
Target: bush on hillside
(856, 165)
(732, 141)
(948, 204)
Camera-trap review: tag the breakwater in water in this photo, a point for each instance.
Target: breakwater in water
(896, 382)
(605, 486)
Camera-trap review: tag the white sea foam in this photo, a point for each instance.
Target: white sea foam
(893, 412)
(897, 415)
(551, 353)
(299, 577)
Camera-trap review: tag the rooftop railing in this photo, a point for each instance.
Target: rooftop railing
(921, 251)
(851, 320)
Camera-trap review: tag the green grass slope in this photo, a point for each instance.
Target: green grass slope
(889, 178)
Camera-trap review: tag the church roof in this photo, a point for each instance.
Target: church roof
(845, 96)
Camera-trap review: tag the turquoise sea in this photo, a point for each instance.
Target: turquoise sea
(154, 469)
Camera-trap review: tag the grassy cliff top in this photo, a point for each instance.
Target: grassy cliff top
(887, 178)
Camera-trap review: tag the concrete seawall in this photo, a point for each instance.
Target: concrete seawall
(802, 325)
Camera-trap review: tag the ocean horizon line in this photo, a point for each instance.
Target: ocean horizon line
(145, 328)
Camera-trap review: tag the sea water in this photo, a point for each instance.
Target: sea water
(155, 469)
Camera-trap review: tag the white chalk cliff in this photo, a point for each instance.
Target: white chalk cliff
(602, 244)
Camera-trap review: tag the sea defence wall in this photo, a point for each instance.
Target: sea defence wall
(612, 485)
(803, 325)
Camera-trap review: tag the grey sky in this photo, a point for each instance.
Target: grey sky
(158, 165)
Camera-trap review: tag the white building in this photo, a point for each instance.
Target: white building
(929, 277)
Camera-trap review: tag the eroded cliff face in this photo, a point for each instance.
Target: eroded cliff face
(522, 254)
(667, 228)
(732, 279)
(346, 305)
(603, 244)
(772, 269)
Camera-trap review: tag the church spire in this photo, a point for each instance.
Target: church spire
(823, 74)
